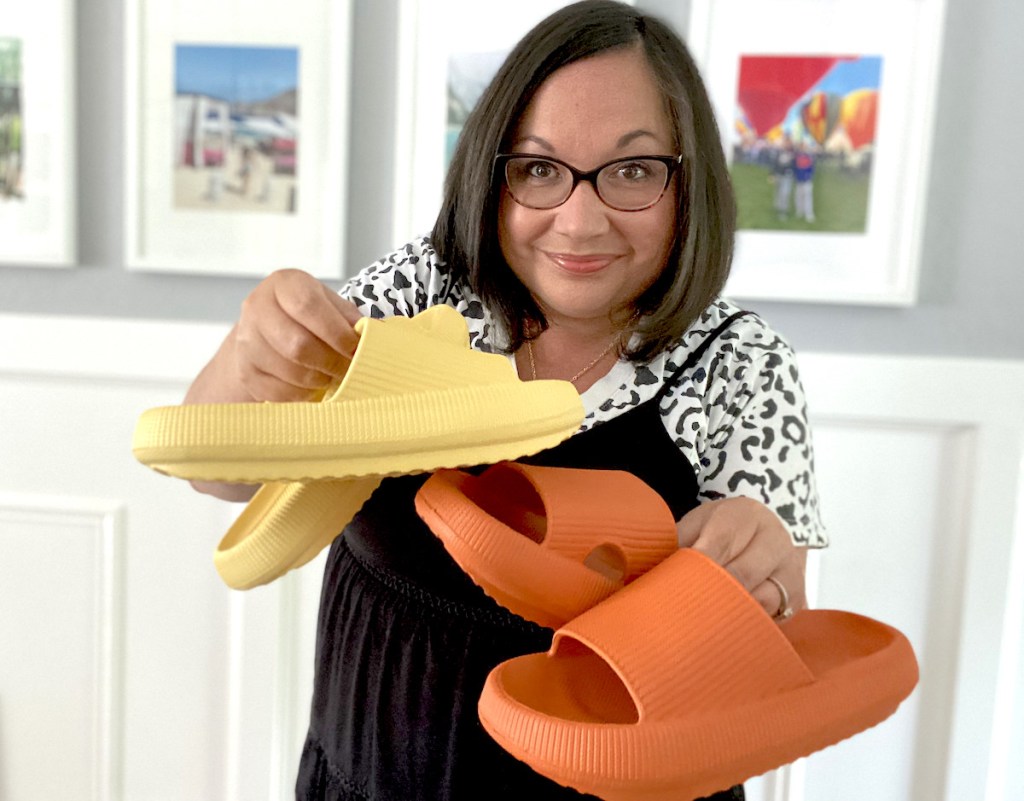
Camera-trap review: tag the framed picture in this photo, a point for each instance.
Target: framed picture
(37, 134)
(826, 112)
(449, 51)
(236, 135)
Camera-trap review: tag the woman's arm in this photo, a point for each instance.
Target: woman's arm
(294, 337)
(760, 506)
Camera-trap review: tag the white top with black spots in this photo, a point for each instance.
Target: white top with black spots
(739, 418)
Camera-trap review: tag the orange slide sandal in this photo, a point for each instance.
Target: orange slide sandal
(681, 685)
(548, 543)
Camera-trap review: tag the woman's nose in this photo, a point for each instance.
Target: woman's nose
(583, 213)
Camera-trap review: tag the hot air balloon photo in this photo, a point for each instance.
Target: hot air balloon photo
(804, 134)
(820, 114)
(859, 113)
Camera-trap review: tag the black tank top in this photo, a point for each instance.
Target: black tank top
(405, 639)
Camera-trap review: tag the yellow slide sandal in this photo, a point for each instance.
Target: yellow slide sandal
(414, 398)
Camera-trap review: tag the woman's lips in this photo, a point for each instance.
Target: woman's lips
(581, 263)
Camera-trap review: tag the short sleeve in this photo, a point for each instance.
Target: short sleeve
(403, 283)
(758, 441)
(412, 279)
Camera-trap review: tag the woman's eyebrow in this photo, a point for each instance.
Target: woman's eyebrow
(623, 141)
(544, 143)
(626, 139)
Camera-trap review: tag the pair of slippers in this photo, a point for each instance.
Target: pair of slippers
(414, 398)
(665, 679)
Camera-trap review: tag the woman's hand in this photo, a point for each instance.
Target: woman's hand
(751, 542)
(293, 338)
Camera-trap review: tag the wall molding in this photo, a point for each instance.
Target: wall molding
(175, 350)
(105, 521)
(106, 348)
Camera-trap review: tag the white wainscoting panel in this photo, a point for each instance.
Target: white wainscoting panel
(921, 470)
(195, 691)
(1012, 676)
(884, 563)
(121, 648)
(61, 607)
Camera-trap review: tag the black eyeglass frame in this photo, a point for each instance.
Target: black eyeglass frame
(502, 159)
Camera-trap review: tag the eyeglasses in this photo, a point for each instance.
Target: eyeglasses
(543, 182)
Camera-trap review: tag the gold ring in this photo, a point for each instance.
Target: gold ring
(785, 610)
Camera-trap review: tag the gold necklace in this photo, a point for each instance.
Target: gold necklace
(575, 378)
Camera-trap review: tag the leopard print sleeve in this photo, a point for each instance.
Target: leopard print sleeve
(414, 278)
(757, 442)
(404, 282)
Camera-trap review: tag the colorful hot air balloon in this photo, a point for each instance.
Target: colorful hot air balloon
(743, 129)
(770, 85)
(859, 115)
(820, 115)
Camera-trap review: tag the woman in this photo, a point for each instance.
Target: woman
(587, 232)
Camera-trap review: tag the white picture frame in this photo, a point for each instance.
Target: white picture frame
(37, 127)
(431, 33)
(236, 135)
(880, 264)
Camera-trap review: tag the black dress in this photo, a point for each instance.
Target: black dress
(405, 639)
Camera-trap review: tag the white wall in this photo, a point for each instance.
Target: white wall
(972, 285)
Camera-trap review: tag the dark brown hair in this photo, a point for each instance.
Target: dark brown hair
(466, 232)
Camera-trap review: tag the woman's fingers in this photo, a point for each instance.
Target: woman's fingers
(749, 540)
(294, 337)
(790, 574)
(329, 318)
(277, 345)
(764, 551)
(270, 386)
(720, 529)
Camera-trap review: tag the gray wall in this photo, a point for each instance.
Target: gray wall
(972, 279)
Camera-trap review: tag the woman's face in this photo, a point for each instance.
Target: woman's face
(583, 260)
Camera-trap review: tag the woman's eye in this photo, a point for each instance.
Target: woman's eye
(541, 169)
(633, 171)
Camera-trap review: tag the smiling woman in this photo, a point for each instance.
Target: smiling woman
(583, 237)
(586, 265)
